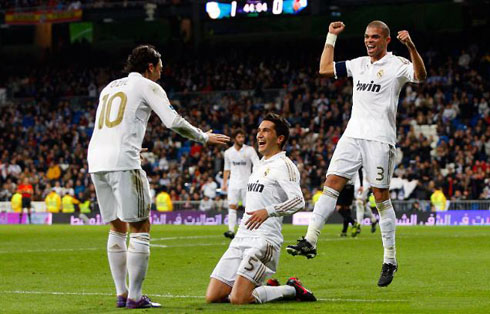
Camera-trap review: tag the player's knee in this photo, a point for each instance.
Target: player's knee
(212, 298)
(237, 299)
(234, 206)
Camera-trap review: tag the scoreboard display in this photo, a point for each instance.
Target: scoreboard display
(253, 8)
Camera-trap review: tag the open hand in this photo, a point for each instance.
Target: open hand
(219, 139)
(256, 219)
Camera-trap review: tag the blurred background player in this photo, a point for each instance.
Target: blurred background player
(362, 188)
(122, 188)
(273, 191)
(370, 136)
(239, 160)
(344, 203)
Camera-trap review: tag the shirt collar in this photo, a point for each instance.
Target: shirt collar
(135, 74)
(276, 156)
(385, 58)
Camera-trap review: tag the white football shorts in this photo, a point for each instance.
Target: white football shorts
(252, 258)
(377, 158)
(237, 195)
(122, 194)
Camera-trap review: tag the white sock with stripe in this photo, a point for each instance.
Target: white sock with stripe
(369, 213)
(265, 294)
(359, 211)
(138, 257)
(324, 207)
(387, 225)
(116, 254)
(232, 219)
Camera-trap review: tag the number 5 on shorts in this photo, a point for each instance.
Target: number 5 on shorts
(251, 261)
(381, 174)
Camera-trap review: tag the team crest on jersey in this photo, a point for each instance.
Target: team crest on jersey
(380, 73)
(266, 172)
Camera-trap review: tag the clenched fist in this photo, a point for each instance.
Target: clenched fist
(404, 38)
(336, 27)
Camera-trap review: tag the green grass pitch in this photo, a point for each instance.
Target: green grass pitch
(63, 269)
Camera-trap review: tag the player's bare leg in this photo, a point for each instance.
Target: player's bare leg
(217, 292)
(387, 225)
(232, 217)
(324, 208)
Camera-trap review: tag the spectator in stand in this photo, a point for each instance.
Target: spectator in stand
(206, 204)
(53, 202)
(54, 172)
(438, 199)
(16, 203)
(209, 188)
(163, 201)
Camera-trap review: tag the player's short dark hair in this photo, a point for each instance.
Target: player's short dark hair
(281, 126)
(140, 57)
(382, 25)
(237, 132)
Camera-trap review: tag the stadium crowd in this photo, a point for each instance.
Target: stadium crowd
(70, 4)
(45, 136)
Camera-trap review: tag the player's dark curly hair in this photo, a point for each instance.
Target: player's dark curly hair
(238, 131)
(281, 126)
(140, 57)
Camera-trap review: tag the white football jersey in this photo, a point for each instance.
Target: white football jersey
(240, 163)
(376, 87)
(274, 186)
(125, 106)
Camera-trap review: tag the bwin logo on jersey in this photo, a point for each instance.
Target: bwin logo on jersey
(239, 163)
(255, 187)
(368, 87)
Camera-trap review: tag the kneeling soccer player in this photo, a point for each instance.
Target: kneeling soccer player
(273, 190)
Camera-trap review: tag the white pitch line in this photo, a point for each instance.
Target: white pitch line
(182, 296)
(187, 237)
(187, 245)
(53, 250)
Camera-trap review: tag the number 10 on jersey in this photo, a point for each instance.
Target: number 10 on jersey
(105, 112)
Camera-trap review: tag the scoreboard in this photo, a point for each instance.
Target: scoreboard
(253, 8)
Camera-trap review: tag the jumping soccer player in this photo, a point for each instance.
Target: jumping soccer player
(239, 160)
(273, 191)
(370, 136)
(122, 189)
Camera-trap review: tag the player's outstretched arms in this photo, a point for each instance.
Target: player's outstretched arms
(326, 60)
(217, 139)
(418, 64)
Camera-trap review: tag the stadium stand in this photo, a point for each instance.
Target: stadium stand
(443, 133)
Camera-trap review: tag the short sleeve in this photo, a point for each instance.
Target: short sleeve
(405, 71)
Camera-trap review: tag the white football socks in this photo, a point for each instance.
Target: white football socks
(369, 213)
(232, 219)
(265, 294)
(324, 207)
(116, 253)
(387, 225)
(359, 211)
(138, 256)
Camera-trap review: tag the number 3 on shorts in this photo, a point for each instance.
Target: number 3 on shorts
(381, 174)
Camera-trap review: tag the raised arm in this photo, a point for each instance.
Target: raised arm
(326, 60)
(418, 64)
(158, 101)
